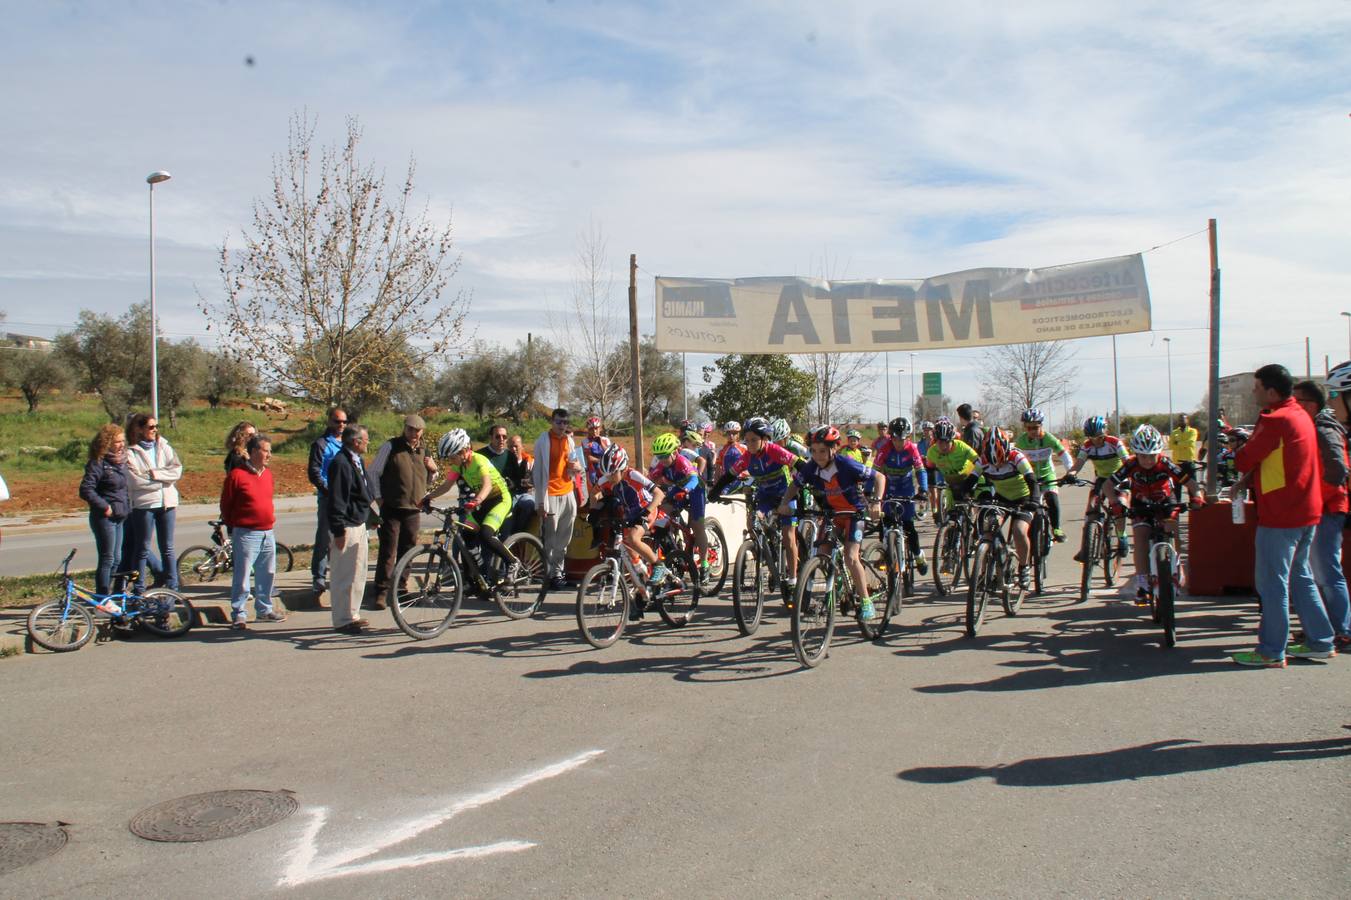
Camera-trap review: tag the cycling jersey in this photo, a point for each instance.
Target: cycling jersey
(769, 471)
(1041, 453)
(1009, 480)
(678, 471)
(1182, 442)
(633, 493)
(956, 463)
(1107, 457)
(473, 473)
(843, 482)
(729, 454)
(901, 462)
(1155, 485)
(592, 450)
(854, 453)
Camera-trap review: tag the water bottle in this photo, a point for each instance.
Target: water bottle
(1236, 502)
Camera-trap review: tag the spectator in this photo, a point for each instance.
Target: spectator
(593, 447)
(882, 433)
(398, 480)
(348, 506)
(104, 488)
(1325, 555)
(498, 452)
(153, 470)
(322, 452)
(522, 465)
(555, 500)
(247, 510)
(969, 429)
(236, 452)
(1283, 457)
(1182, 443)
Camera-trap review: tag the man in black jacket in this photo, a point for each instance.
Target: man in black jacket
(322, 452)
(349, 505)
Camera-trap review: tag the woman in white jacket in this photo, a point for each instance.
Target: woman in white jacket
(153, 470)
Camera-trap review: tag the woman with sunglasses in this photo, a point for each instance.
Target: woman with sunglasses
(153, 470)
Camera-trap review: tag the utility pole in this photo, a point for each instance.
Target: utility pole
(1213, 410)
(912, 387)
(1116, 392)
(1168, 343)
(887, 382)
(633, 362)
(1308, 360)
(685, 382)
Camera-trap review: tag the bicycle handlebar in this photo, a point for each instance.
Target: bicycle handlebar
(65, 564)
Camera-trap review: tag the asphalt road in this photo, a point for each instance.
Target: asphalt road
(1061, 753)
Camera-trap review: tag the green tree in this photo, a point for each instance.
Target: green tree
(529, 370)
(476, 382)
(36, 373)
(663, 379)
(111, 357)
(227, 376)
(182, 371)
(755, 385)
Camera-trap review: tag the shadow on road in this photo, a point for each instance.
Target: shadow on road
(1172, 757)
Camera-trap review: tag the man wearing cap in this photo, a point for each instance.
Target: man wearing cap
(398, 479)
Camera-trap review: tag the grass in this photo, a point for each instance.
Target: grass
(29, 590)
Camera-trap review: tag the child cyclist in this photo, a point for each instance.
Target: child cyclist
(635, 501)
(1042, 449)
(854, 448)
(679, 476)
(731, 451)
(593, 445)
(1015, 486)
(1108, 454)
(900, 461)
(489, 499)
(1153, 481)
(769, 468)
(954, 461)
(844, 482)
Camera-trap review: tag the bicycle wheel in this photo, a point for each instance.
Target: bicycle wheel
(1165, 599)
(813, 612)
(1110, 543)
(875, 627)
(199, 564)
(165, 613)
(947, 558)
(518, 592)
(979, 587)
(715, 577)
(603, 604)
(60, 626)
(904, 584)
(286, 560)
(678, 596)
(1041, 551)
(425, 592)
(1089, 552)
(806, 540)
(1013, 593)
(749, 583)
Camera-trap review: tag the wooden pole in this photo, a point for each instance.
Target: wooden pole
(1213, 410)
(1308, 360)
(633, 362)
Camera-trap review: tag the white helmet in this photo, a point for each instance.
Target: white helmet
(1339, 379)
(778, 430)
(452, 443)
(1147, 440)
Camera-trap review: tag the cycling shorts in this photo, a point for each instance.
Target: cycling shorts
(695, 503)
(1142, 512)
(767, 505)
(494, 514)
(936, 478)
(850, 526)
(1024, 510)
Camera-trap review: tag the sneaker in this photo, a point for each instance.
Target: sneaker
(866, 609)
(273, 616)
(1253, 659)
(557, 583)
(635, 611)
(658, 575)
(1342, 641)
(1058, 535)
(239, 624)
(1142, 596)
(1079, 556)
(1022, 578)
(319, 587)
(1304, 651)
(921, 565)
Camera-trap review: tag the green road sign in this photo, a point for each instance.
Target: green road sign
(933, 384)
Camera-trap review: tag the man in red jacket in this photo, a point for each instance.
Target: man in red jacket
(246, 508)
(1282, 456)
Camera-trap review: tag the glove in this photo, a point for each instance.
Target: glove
(471, 503)
(426, 505)
(680, 496)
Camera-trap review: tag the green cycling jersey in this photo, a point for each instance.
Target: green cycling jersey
(1041, 453)
(956, 463)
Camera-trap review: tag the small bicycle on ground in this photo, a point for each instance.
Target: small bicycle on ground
(67, 623)
(200, 564)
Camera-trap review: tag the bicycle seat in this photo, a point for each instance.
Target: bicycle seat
(129, 574)
(216, 523)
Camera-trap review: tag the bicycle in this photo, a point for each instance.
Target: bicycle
(201, 564)
(759, 568)
(1165, 570)
(993, 566)
(824, 585)
(67, 623)
(892, 555)
(714, 576)
(1039, 537)
(951, 557)
(1099, 544)
(611, 585)
(428, 582)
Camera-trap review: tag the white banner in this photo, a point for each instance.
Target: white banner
(975, 308)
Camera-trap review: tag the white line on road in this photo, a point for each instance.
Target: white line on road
(306, 866)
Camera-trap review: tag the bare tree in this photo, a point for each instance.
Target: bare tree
(591, 327)
(335, 276)
(1019, 376)
(843, 382)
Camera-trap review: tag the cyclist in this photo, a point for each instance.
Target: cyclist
(1107, 453)
(708, 450)
(730, 451)
(780, 434)
(954, 460)
(926, 440)
(900, 461)
(692, 447)
(854, 449)
(843, 481)
(1152, 480)
(593, 447)
(678, 475)
(490, 502)
(1042, 449)
(769, 467)
(635, 501)
(1014, 485)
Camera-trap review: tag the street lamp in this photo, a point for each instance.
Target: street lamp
(1168, 344)
(153, 179)
(1348, 333)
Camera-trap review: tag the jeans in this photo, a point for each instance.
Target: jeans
(256, 553)
(1325, 558)
(522, 511)
(137, 539)
(1283, 579)
(319, 561)
(108, 542)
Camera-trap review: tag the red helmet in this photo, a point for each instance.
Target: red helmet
(593, 422)
(995, 451)
(824, 434)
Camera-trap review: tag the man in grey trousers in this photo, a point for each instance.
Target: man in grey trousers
(556, 466)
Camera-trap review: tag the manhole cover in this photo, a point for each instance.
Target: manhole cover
(22, 843)
(214, 815)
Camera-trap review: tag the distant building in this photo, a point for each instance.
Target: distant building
(1236, 399)
(25, 341)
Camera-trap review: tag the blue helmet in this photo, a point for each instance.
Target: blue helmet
(1094, 426)
(1033, 415)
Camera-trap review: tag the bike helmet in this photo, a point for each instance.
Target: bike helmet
(1033, 416)
(706, 428)
(593, 422)
(854, 433)
(731, 427)
(1339, 379)
(996, 448)
(687, 425)
(899, 427)
(824, 434)
(452, 443)
(778, 430)
(1239, 435)
(944, 430)
(1147, 440)
(665, 444)
(760, 425)
(926, 425)
(692, 434)
(1094, 426)
(614, 459)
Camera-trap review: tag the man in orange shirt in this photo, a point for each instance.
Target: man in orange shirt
(556, 466)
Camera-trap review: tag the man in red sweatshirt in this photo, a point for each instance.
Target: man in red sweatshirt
(1282, 456)
(246, 508)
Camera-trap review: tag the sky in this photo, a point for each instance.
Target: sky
(851, 140)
